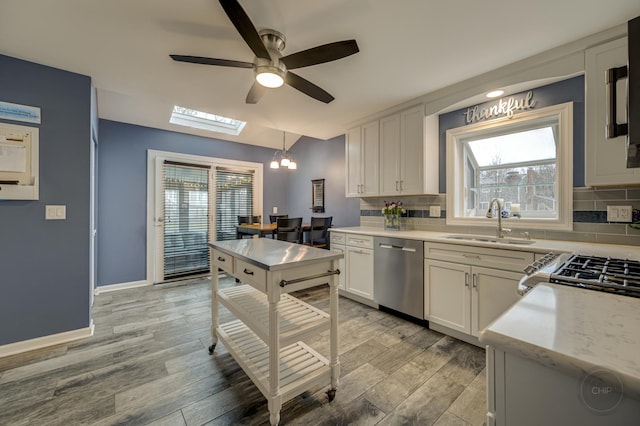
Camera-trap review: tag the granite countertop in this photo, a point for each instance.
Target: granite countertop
(575, 330)
(538, 246)
(273, 254)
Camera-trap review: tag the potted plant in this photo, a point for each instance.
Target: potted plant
(392, 212)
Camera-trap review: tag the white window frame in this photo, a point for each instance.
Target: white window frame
(155, 160)
(456, 190)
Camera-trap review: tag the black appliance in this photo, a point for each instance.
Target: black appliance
(632, 73)
(609, 275)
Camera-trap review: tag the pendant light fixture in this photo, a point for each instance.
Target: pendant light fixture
(283, 158)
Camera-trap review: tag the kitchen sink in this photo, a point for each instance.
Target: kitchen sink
(485, 239)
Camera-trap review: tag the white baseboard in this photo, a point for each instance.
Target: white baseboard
(41, 342)
(121, 286)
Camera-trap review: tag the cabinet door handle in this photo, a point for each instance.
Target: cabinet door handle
(613, 129)
(247, 271)
(471, 256)
(397, 189)
(401, 185)
(466, 279)
(474, 280)
(221, 259)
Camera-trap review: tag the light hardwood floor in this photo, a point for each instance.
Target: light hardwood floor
(148, 364)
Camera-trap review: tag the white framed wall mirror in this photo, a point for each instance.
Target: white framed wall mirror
(525, 161)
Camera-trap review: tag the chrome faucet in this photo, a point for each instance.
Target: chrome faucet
(500, 231)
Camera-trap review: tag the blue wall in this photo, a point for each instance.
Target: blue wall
(319, 159)
(122, 194)
(44, 265)
(553, 94)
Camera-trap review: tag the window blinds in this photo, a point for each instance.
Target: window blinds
(234, 197)
(186, 219)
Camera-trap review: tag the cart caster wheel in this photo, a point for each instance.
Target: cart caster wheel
(331, 393)
(211, 348)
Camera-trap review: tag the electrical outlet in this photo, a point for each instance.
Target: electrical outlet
(434, 211)
(619, 213)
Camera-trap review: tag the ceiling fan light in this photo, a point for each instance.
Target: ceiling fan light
(285, 162)
(293, 165)
(274, 164)
(270, 77)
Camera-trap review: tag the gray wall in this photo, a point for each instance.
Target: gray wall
(44, 265)
(320, 159)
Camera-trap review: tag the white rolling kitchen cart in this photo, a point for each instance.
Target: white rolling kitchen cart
(265, 340)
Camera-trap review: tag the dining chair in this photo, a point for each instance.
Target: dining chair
(319, 232)
(274, 217)
(289, 229)
(249, 219)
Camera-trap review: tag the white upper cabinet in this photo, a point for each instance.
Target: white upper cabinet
(407, 154)
(606, 158)
(418, 153)
(408, 147)
(362, 162)
(390, 153)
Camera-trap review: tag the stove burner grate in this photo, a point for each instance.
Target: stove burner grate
(599, 273)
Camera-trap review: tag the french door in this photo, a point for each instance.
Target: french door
(192, 200)
(186, 214)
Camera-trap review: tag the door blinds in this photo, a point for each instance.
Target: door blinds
(186, 219)
(234, 197)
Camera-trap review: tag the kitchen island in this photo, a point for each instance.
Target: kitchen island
(265, 340)
(564, 355)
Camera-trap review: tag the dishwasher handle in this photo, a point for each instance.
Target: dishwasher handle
(394, 247)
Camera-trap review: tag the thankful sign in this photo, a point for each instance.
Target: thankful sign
(503, 107)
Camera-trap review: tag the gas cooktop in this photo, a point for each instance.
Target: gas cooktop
(617, 276)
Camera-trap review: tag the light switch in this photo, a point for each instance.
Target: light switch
(55, 212)
(275, 210)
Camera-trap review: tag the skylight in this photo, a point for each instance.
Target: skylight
(203, 120)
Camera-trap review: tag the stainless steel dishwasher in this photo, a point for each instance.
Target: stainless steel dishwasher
(398, 275)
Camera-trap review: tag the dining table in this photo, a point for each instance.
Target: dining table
(264, 229)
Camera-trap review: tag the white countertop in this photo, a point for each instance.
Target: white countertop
(575, 330)
(273, 254)
(539, 246)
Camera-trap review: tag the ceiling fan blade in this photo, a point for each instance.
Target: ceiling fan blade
(211, 61)
(245, 27)
(255, 93)
(307, 87)
(321, 54)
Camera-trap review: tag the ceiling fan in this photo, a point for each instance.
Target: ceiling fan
(271, 68)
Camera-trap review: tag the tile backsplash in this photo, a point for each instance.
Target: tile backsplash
(589, 216)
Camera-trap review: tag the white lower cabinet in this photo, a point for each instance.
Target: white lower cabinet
(360, 272)
(356, 277)
(466, 297)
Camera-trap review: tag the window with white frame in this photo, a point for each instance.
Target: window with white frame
(525, 161)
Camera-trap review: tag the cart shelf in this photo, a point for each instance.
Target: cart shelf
(297, 318)
(300, 366)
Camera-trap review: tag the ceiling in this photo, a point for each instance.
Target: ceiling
(408, 48)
